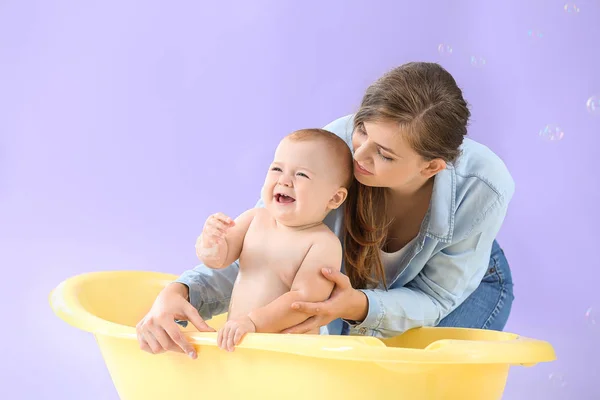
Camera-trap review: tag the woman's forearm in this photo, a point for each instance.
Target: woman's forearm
(180, 288)
(208, 290)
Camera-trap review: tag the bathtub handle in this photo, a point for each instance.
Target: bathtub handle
(519, 351)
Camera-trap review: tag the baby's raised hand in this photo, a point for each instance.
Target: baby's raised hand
(233, 331)
(213, 236)
(215, 229)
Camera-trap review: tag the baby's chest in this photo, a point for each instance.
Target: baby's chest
(274, 254)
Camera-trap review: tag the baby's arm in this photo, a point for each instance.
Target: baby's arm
(308, 285)
(220, 243)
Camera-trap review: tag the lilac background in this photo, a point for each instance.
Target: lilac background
(123, 124)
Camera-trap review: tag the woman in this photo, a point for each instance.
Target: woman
(419, 232)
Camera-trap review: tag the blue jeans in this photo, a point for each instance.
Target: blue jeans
(488, 307)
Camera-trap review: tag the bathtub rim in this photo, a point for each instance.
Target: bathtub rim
(518, 350)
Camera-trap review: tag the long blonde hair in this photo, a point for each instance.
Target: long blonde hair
(366, 230)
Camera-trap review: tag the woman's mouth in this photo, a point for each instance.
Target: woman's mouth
(284, 199)
(360, 169)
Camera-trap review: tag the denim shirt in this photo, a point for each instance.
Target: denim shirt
(439, 269)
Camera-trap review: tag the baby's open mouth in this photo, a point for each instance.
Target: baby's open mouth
(282, 198)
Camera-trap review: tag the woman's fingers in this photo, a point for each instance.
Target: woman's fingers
(336, 277)
(147, 340)
(143, 343)
(194, 317)
(308, 308)
(163, 339)
(158, 332)
(182, 345)
(155, 347)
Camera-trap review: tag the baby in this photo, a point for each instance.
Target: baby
(283, 247)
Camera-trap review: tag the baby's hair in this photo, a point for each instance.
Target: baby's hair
(337, 144)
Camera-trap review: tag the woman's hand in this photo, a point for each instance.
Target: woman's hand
(158, 332)
(344, 302)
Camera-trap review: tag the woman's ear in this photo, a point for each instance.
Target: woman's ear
(433, 167)
(338, 198)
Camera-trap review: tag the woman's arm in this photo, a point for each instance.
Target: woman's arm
(447, 279)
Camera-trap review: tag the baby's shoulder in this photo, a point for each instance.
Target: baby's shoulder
(325, 238)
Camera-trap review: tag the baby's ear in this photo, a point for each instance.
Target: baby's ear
(338, 198)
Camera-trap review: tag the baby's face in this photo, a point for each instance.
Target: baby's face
(303, 183)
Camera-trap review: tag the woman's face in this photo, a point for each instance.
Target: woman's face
(383, 158)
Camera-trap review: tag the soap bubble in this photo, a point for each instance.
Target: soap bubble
(590, 316)
(477, 61)
(593, 105)
(552, 132)
(557, 380)
(535, 34)
(571, 8)
(445, 49)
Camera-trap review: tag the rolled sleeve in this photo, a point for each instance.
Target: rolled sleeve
(375, 314)
(210, 289)
(189, 278)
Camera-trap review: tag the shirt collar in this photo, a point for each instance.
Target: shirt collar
(439, 220)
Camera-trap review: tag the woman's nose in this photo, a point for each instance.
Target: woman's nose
(360, 152)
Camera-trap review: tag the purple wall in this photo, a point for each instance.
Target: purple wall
(123, 124)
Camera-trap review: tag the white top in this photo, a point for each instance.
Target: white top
(391, 261)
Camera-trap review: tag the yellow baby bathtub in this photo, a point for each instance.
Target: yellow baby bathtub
(423, 363)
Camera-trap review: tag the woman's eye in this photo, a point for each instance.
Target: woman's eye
(385, 158)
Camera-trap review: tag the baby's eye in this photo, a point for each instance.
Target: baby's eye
(276, 169)
(302, 174)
